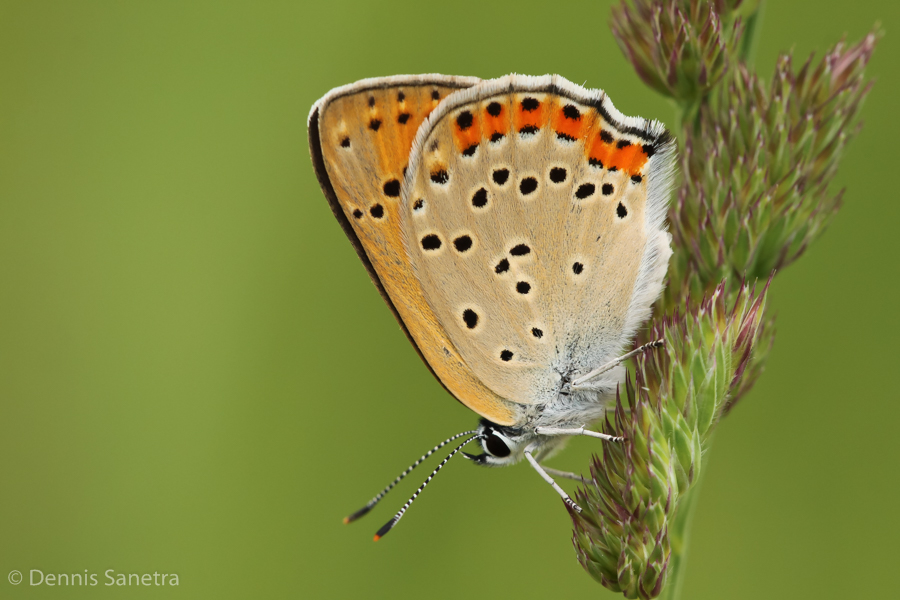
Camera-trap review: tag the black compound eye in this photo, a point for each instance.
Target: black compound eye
(496, 447)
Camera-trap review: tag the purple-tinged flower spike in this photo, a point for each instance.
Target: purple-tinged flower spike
(630, 517)
(757, 163)
(680, 48)
(758, 169)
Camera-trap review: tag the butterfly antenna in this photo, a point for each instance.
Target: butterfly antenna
(390, 524)
(371, 503)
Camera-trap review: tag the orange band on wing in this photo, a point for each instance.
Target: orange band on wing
(630, 159)
(618, 155)
(568, 122)
(530, 115)
(600, 150)
(496, 121)
(467, 131)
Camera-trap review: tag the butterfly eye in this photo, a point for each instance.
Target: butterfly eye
(496, 447)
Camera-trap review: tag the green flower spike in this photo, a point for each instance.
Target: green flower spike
(637, 504)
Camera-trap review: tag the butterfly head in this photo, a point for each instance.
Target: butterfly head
(502, 445)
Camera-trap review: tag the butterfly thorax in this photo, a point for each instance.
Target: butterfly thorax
(572, 409)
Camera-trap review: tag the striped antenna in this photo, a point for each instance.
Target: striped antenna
(371, 503)
(390, 524)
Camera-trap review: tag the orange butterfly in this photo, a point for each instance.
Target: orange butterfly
(516, 228)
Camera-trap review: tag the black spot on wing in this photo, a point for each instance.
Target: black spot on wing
(530, 104)
(392, 188)
(528, 185)
(585, 190)
(463, 243)
(464, 120)
(558, 174)
(440, 176)
(431, 242)
(571, 112)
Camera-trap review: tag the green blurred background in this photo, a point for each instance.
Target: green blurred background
(197, 377)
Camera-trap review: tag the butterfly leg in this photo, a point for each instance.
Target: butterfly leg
(577, 431)
(548, 479)
(565, 474)
(578, 383)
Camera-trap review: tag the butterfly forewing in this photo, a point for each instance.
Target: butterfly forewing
(533, 214)
(360, 140)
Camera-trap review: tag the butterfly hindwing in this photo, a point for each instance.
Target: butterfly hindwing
(360, 138)
(533, 214)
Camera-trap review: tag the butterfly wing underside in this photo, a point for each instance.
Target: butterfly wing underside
(534, 217)
(360, 137)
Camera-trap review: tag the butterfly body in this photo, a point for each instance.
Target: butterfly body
(518, 234)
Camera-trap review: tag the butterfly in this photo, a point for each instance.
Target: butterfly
(516, 229)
